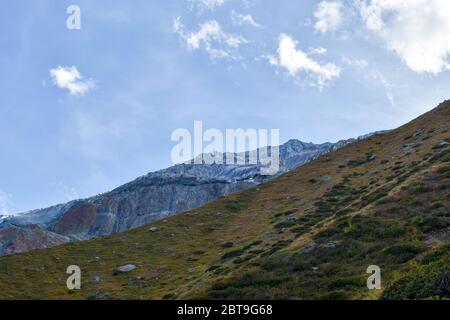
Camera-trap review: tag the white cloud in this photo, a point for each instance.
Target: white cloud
(296, 61)
(328, 15)
(319, 51)
(210, 36)
(244, 19)
(372, 76)
(70, 78)
(358, 64)
(390, 97)
(207, 4)
(416, 30)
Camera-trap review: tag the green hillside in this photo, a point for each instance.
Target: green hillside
(310, 234)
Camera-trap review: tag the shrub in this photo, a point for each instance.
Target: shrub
(421, 282)
(418, 188)
(284, 224)
(353, 250)
(346, 283)
(335, 295)
(232, 254)
(403, 253)
(349, 228)
(418, 221)
(434, 223)
(355, 163)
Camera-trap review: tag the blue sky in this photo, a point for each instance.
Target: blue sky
(83, 111)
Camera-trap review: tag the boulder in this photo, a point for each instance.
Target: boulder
(125, 269)
(325, 178)
(332, 245)
(96, 280)
(310, 247)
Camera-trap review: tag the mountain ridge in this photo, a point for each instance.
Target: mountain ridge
(309, 234)
(176, 189)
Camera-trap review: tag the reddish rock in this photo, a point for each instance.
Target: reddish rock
(22, 239)
(78, 220)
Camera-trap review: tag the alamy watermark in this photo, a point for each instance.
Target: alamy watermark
(73, 22)
(234, 147)
(374, 281)
(74, 280)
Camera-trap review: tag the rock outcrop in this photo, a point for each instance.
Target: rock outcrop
(17, 239)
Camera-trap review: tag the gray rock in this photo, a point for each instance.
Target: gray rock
(153, 229)
(332, 245)
(418, 133)
(372, 157)
(96, 280)
(408, 147)
(125, 269)
(310, 247)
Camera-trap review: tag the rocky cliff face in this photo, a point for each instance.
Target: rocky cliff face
(149, 198)
(18, 239)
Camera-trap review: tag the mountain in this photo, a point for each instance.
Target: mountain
(149, 198)
(311, 233)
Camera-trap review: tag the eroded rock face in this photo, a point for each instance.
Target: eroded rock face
(14, 239)
(147, 199)
(76, 220)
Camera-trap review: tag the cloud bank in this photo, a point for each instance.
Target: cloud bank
(416, 30)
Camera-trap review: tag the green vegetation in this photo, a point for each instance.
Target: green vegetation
(428, 279)
(298, 237)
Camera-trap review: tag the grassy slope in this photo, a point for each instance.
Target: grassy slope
(312, 233)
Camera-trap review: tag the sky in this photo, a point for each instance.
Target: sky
(85, 110)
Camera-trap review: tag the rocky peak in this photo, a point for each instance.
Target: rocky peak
(151, 197)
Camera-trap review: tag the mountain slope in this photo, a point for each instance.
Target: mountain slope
(149, 198)
(309, 234)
